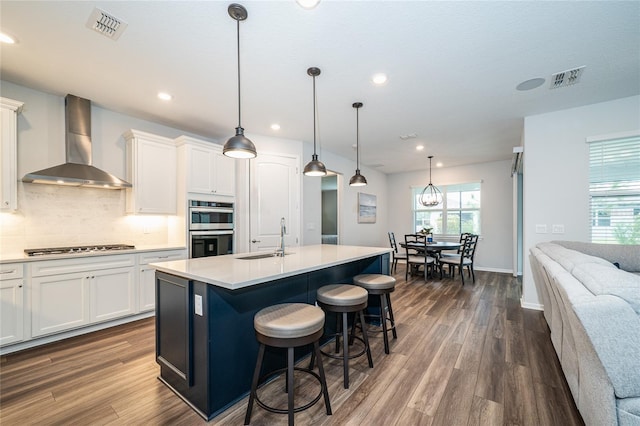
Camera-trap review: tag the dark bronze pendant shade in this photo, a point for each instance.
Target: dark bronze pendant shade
(239, 146)
(357, 179)
(315, 166)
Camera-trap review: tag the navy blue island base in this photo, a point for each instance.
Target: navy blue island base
(207, 353)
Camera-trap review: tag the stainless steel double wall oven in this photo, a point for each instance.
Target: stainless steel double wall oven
(211, 225)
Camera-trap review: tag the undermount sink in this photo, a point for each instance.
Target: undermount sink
(260, 256)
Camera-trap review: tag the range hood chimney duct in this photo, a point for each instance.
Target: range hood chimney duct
(77, 171)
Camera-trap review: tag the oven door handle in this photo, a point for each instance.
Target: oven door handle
(211, 232)
(210, 210)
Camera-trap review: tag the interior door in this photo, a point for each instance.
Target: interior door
(275, 194)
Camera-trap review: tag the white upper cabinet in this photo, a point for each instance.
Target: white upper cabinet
(9, 110)
(207, 170)
(151, 169)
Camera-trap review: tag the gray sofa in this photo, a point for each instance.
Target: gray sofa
(593, 311)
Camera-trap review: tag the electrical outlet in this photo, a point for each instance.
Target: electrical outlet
(557, 229)
(198, 304)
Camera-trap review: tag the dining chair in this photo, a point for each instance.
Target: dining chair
(395, 255)
(465, 258)
(417, 255)
(460, 249)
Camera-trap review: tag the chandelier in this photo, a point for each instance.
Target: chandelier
(431, 195)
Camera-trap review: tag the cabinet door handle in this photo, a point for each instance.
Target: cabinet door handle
(256, 241)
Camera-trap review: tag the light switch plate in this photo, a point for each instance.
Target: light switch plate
(541, 229)
(198, 304)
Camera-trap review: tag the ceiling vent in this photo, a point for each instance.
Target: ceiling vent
(566, 78)
(106, 24)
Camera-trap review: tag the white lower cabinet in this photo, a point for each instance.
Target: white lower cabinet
(58, 303)
(72, 293)
(147, 276)
(11, 303)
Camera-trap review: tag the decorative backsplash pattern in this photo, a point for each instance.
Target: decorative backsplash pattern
(50, 216)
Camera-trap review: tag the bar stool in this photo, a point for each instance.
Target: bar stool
(288, 325)
(343, 299)
(382, 285)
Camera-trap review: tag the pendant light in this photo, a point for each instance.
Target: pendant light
(239, 146)
(315, 166)
(357, 179)
(431, 195)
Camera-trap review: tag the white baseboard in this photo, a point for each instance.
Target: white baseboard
(499, 270)
(535, 306)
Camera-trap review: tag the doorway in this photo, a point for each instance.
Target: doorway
(330, 208)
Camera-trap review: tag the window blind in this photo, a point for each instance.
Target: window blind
(614, 189)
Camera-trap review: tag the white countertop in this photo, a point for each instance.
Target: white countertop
(15, 257)
(232, 273)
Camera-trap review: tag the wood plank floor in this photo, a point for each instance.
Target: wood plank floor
(464, 356)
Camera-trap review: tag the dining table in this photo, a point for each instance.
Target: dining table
(433, 247)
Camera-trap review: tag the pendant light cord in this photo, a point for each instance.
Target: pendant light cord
(357, 139)
(314, 115)
(239, 100)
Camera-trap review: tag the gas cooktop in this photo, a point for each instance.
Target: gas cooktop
(78, 249)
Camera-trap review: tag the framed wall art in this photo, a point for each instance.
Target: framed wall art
(366, 208)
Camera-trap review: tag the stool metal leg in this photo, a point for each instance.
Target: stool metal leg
(291, 391)
(254, 383)
(323, 380)
(383, 320)
(364, 336)
(345, 350)
(393, 322)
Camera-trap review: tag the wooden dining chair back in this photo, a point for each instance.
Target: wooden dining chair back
(417, 256)
(465, 258)
(395, 254)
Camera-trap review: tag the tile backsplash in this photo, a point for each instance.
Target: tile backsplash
(58, 216)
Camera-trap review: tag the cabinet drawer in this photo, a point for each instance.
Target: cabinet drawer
(65, 266)
(10, 271)
(161, 256)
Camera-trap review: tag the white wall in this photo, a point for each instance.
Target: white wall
(351, 232)
(556, 172)
(494, 250)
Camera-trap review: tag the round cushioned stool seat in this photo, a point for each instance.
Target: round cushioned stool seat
(375, 281)
(289, 320)
(342, 295)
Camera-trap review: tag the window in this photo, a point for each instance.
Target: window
(459, 211)
(614, 190)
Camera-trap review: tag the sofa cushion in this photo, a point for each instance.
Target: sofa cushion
(569, 259)
(614, 331)
(629, 411)
(600, 280)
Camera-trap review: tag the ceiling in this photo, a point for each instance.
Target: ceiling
(453, 68)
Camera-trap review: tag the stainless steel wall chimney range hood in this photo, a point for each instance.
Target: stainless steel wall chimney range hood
(77, 171)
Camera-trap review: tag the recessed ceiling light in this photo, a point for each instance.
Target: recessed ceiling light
(308, 4)
(164, 96)
(275, 126)
(379, 79)
(419, 147)
(530, 84)
(438, 164)
(6, 38)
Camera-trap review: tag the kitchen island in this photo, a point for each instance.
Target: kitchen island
(205, 340)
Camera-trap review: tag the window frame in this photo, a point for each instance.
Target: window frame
(446, 210)
(614, 188)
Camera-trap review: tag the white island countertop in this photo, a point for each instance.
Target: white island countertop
(233, 273)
